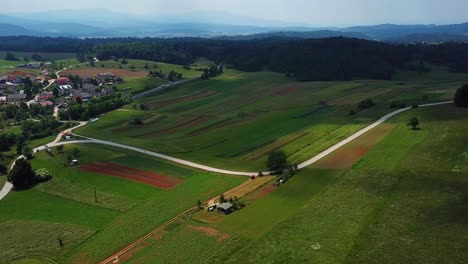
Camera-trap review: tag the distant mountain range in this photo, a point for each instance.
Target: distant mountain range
(101, 23)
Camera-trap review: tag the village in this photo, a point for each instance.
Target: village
(44, 87)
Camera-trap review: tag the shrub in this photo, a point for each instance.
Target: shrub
(365, 104)
(461, 96)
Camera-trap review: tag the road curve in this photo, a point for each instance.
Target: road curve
(359, 133)
(7, 188)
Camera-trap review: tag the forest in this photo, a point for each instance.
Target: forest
(304, 59)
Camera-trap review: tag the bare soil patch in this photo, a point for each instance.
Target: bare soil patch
(286, 91)
(262, 192)
(187, 124)
(346, 156)
(209, 231)
(146, 177)
(95, 71)
(182, 99)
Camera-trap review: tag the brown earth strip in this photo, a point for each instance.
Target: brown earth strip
(286, 91)
(181, 99)
(187, 124)
(146, 177)
(210, 232)
(275, 146)
(346, 156)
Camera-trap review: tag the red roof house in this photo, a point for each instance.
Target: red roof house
(63, 81)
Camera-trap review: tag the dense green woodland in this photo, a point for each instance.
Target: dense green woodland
(306, 60)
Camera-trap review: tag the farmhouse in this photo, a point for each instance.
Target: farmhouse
(14, 98)
(46, 103)
(45, 96)
(226, 208)
(63, 81)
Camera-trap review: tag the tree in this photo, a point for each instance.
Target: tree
(461, 96)
(136, 121)
(55, 91)
(365, 104)
(76, 152)
(277, 160)
(11, 57)
(36, 57)
(27, 152)
(414, 123)
(132, 67)
(60, 240)
(20, 140)
(124, 61)
(60, 148)
(222, 199)
(22, 174)
(199, 204)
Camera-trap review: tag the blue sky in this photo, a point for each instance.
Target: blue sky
(311, 12)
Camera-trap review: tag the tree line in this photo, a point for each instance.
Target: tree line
(303, 59)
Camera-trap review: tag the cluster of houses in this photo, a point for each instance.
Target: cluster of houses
(11, 89)
(87, 89)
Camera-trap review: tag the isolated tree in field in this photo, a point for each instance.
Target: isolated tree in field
(414, 123)
(60, 148)
(132, 67)
(461, 96)
(22, 174)
(277, 160)
(76, 152)
(60, 240)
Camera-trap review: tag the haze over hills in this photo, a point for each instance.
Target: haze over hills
(94, 23)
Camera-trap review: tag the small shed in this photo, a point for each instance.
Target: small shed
(226, 208)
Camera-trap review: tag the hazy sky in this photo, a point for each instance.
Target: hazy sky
(312, 12)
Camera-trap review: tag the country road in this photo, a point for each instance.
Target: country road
(7, 187)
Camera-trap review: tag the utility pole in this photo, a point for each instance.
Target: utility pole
(95, 195)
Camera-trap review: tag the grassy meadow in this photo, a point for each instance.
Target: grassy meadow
(234, 120)
(125, 210)
(402, 202)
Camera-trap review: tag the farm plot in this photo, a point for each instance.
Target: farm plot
(150, 178)
(346, 156)
(181, 99)
(187, 124)
(93, 72)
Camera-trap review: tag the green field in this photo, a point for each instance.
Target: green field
(232, 121)
(125, 211)
(403, 202)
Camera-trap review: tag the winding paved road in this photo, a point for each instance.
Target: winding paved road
(7, 188)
